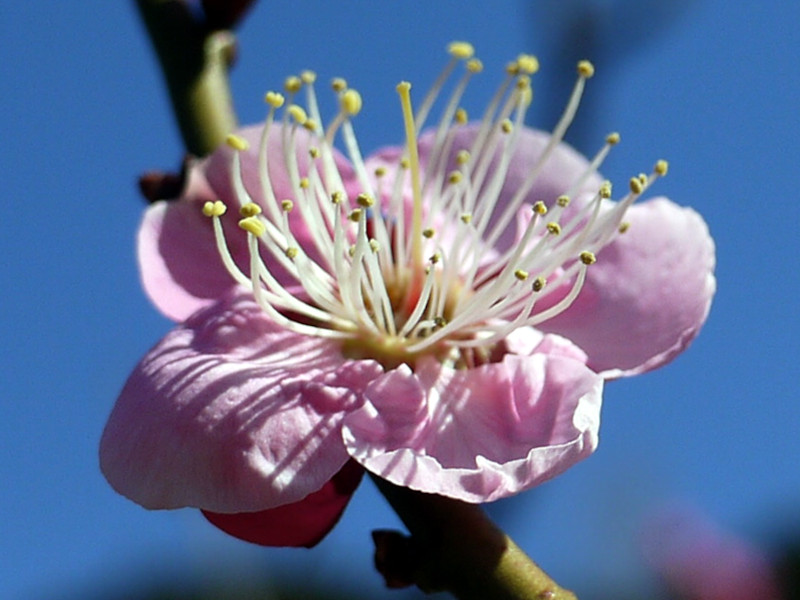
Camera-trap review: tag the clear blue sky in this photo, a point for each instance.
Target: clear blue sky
(712, 86)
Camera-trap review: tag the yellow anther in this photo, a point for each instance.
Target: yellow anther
(662, 167)
(428, 233)
(351, 251)
(435, 258)
(304, 183)
(520, 274)
(380, 171)
(554, 228)
(562, 201)
(454, 177)
(636, 185)
(624, 226)
(287, 206)
(292, 84)
(351, 103)
(643, 179)
(214, 209)
(355, 215)
(337, 197)
(538, 284)
(512, 68)
(236, 142)
(365, 201)
(466, 218)
(474, 65)
(404, 163)
(461, 116)
(338, 84)
(292, 252)
(308, 77)
(540, 208)
(313, 152)
(374, 245)
(298, 114)
(253, 225)
(528, 63)
(462, 157)
(612, 139)
(310, 124)
(585, 69)
(506, 126)
(523, 82)
(274, 99)
(250, 209)
(439, 322)
(605, 190)
(588, 258)
(461, 50)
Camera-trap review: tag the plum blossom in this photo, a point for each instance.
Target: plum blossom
(432, 314)
(699, 561)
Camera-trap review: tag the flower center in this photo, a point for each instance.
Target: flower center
(410, 265)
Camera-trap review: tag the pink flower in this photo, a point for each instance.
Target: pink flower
(430, 313)
(701, 562)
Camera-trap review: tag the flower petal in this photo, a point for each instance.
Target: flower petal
(648, 294)
(179, 286)
(477, 434)
(302, 523)
(231, 413)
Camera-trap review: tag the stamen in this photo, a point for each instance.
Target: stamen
(237, 143)
(292, 84)
(404, 90)
(298, 114)
(351, 103)
(253, 225)
(362, 265)
(461, 50)
(274, 99)
(214, 209)
(251, 209)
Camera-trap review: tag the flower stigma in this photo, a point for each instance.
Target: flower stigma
(409, 265)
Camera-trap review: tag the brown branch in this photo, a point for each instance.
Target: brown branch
(195, 63)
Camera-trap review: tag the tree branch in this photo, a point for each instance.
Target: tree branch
(195, 63)
(455, 547)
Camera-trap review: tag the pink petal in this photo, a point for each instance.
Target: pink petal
(648, 294)
(477, 434)
(231, 413)
(700, 561)
(180, 267)
(302, 523)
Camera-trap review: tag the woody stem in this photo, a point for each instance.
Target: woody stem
(454, 546)
(195, 61)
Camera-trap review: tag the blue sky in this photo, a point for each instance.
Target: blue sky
(712, 87)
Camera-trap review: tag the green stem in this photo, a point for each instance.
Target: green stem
(457, 548)
(195, 64)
